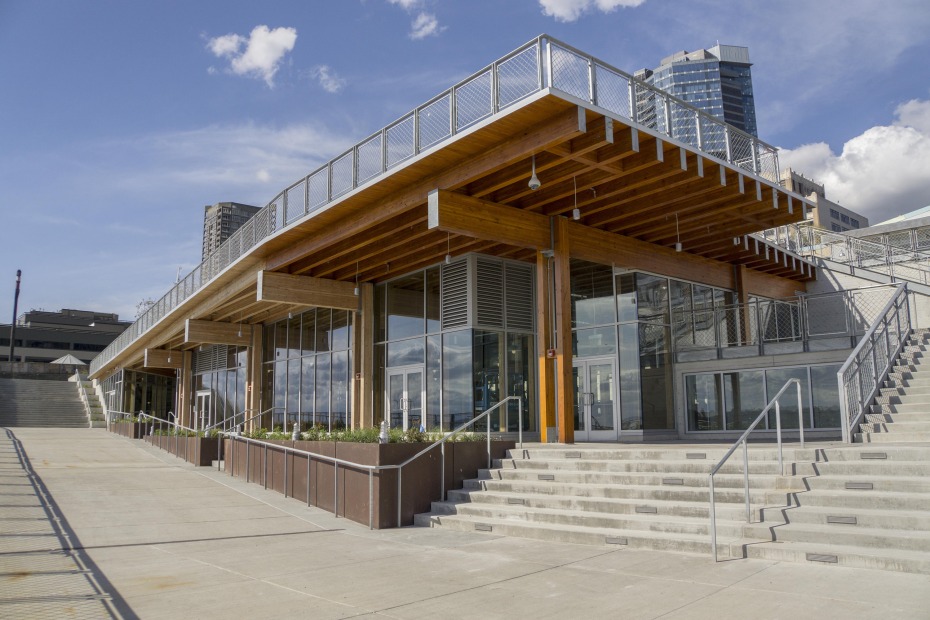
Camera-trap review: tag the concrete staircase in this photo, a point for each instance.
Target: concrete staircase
(653, 497)
(92, 407)
(30, 402)
(901, 412)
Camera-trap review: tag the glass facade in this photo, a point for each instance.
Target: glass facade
(732, 400)
(132, 391)
(218, 387)
(439, 378)
(307, 370)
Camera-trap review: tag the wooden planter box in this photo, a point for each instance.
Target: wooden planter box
(132, 430)
(420, 482)
(200, 451)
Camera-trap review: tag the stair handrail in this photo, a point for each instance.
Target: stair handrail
(876, 351)
(743, 440)
(371, 469)
(227, 423)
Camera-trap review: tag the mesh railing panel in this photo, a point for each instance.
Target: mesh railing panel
(369, 159)
(741, 150)
(341, 171)
(684, 124)
(434, 123)
(518, 76)
(922, 236)
(826, 316)
(612, 91)
(473, 100)
(713, 137)
(296, 207)
(570, 73)
(400, 143)
(646, 105)
(318, 189)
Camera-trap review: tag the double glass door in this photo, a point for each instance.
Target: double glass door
(204, 411)
(595, 402)
(405, 397)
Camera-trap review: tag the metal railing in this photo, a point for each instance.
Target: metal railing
(860, 377)
(896, 261)
(543, 64)
(85, 400)
(743, 441)
(763, 322)
(371, 469)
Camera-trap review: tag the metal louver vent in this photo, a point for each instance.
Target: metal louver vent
(490, 293)
(455, 294)
(210, 358)
(519, 301)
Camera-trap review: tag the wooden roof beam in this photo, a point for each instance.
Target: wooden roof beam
(215, 332)
(305, 291)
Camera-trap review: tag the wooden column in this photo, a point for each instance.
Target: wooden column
(363, 359)
(547, 427)
(563, 333)
(185, 380)
(742, 298)
(253, 380)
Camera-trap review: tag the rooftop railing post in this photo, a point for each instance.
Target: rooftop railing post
(592, 82)
(550, 70)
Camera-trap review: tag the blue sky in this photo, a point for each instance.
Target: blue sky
(120, 120)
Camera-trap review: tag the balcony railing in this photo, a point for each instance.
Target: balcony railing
(543, 63)
(766, 326)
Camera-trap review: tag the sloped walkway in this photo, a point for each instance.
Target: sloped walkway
(154, 537)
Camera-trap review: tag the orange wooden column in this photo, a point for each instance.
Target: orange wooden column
(544, 342)
(563, 333)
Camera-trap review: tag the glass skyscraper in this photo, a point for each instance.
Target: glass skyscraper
(717, 80)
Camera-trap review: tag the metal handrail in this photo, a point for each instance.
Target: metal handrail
(891, 351)
(743, 440)
(372, 468)
(85, 400)
(554, 67)
(225, 422)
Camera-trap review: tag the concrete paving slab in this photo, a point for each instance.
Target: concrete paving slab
(216, 547)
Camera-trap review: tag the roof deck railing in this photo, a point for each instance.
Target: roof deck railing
(540, 65)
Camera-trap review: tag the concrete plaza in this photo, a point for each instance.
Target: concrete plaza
(95, 525)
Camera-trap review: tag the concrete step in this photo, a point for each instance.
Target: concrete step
(758, 451)
(907, 520)
(846, 535)
(856, 453)
(885, 484)
(633, 479)
(922, 437)
(907, 428)
(853, 557)
(733, 466)
(862, 499)
(904, 407)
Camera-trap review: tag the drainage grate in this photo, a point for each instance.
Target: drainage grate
(678, 481)
(819, 557)
(647, 510)
(516, 500)
(844, 520)
(616, 540)
(862, 486)
(696, 455)
(547, 476)
(874, 455)
(573, 455)
(483, 527)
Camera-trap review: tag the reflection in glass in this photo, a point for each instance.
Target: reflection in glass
(405, 307)
(433, 382)
(521, 380)
(594, 342)
(825, 396)
(457, 392)
(592, 294)
(307, 378)
(321, 417)
(703, 401)
(487, 376)
(433, 319)
(308, 332)
(340, 389)
(744, 396)
(405, 352)
(774, 380)
(630, 387)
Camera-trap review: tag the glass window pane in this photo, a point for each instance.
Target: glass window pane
(595, 341)
(774, 380)
(626, 297)
(308, 332)
(521, 381)
(744, 398)
(405, 352)
(268, 342)
(293, 336)
(433, 382)
(457, 389)
(322, 391)
(656, 376)
(703, 398)
(340, 389)
(405, 307)
(307, 379)
(280, 340)
(631, 417)
(280, 393)
(487, 365)
(323, 329)
(380, 314)
(433, 323)
(293, 393)
(340, 330)
(652, 298)
(825, 394)
(592, 294)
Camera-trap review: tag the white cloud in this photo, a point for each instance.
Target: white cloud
(425, 25)
(881, 172)
(328, 79)
(571, 10)
(263, 52)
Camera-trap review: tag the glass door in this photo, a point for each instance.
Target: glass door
(595, 400)
(203, 413)
(405, 397)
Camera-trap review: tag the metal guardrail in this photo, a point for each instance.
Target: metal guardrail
(897, 261)
(85, 400)
(761, 322)
(743, 441)
(371, 469)
(860, 377)
(541, 64)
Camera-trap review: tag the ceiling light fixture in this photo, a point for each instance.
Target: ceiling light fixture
(677, 235)
(534, 180)
(576, 212)
(448, 248)
(356, 279)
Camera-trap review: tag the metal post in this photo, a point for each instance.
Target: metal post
(285, 474)
(335, 489)
(265, 467)
(781, 466)
(713, 518)
(800, 415)
(520, 414)
(248, 454)
(19, 273)
(308, 480)
(442, 477)
(746, 479)
(371, 494)
(400, 475)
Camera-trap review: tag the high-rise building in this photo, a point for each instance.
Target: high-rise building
(826, 214)
(222, 220)
(717, 80)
